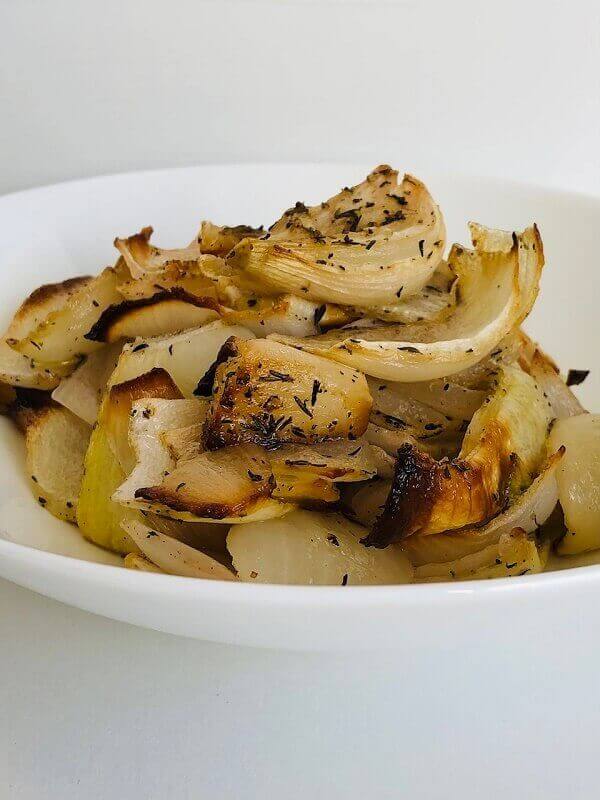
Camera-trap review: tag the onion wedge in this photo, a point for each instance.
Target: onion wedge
(173, 557)
(315, 549)
(365, 247)
(497, 284)
(233, 486)
(219, 240)
(529, 511)
(82, 391)
(143, 259)
(559, 395)
(18, 369)
(56, 442)
(501, 452)
(167, 311)
(270, 394)
(58, 341)
(185, 356)
(514, 554)
(579, 481)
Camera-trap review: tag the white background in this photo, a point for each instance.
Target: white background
(91, 708)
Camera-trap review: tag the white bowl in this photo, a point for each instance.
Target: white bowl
(64, 230)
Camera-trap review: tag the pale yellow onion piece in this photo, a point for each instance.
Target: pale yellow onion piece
(117, 409)
(514, 554)
(148, 421)
(144, 259)
(366, 502)
(366, 253)
(185, 356)
(501, 452)
(214, 479)
(56, 442)
(59, 340)
(497, 288)
(267, 393)
(171, 278)
(561, 398)
(579, 481)
(175, 557)
(288, 315)
(165, 312)
(140, 563)
(218, 240)
(98, 517)
(17, 369)
(81, 392)
(307, 547)
(432, 303)
(311, 472)
(529, 511)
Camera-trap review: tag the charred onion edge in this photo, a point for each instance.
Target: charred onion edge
(100, 330)
(158, 494)
(420, 481)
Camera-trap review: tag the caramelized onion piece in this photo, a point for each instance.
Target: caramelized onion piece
(365, 247)
(167, 311)
(501, 452)
(271, 394)
(58, 341)
(18, 369)
(233, 485)
(56, 442)
(497, 284)
(529, 511)
(218, 240)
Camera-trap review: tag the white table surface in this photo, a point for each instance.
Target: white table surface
(94, 709)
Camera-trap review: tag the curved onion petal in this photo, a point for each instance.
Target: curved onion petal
(233, 485)
(432, 303)
(287, 315)
(142, 258)
(579, 481)
(58, 340)
(18, 369)
(98, 517)
(56, 442)
(364, 247)
(529, 511)
(310, 473)
(311, 548)
(219, 240)
(81, 392)
(561, 398)
(172, 278)
(175, 557)
(497, 287)
(502, 450)
(185, 356)
(514, 554)
(117, 409)
(167, 311)
(270, 394)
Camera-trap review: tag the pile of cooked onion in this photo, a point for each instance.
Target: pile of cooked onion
(339, 399)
